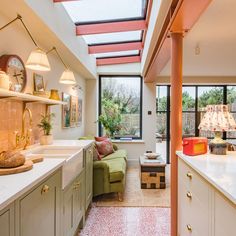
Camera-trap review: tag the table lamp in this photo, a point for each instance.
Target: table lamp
(217, 119)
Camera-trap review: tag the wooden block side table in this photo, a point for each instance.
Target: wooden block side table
(152, 173)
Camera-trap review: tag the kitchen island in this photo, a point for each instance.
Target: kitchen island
(207, 194)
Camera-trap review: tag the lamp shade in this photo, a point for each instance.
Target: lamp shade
(67, 77)
(38, 60)
(217, 118)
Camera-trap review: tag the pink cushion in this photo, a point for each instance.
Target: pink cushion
(104, 148)
(102, 138)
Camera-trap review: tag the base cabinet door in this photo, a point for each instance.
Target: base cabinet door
(38, 212)
(78, 197)
(88, 176)
(7, 221)
(73, 206)
(225, 216)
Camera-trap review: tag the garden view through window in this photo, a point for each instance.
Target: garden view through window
(194, 101)
(120, 106)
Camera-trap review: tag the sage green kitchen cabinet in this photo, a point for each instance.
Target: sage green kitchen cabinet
(7, 221)
(73, 206)
(88, 155)
(38, 211)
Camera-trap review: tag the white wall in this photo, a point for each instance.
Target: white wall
(14, 40)
(127, 69)
(91, 111)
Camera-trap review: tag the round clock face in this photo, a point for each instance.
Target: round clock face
(14, 67)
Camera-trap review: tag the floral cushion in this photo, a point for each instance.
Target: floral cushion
(96, 156)
(104, 148)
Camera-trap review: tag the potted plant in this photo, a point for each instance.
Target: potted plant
(46, 125)
(110, 117)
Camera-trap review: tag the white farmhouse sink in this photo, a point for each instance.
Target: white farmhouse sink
(73, 159)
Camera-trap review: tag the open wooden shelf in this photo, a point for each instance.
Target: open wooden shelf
(6, 94)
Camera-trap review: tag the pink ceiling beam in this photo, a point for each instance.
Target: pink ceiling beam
(117, 60)
(64, 0)
(111, 27)
(115, 47)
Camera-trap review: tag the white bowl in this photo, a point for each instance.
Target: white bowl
(152, 155)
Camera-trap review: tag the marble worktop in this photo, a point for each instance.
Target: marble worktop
(15, 185)
(62, 143)
(218, 170)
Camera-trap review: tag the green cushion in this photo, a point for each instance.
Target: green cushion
(120, 153)
(117, 168)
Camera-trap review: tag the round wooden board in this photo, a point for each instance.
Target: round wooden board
(8, 171)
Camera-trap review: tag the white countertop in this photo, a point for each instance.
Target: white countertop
(218, 170)
(13, 186)
(66, 143)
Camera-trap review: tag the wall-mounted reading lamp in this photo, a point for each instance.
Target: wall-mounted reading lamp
(67, 76)
(38, 59)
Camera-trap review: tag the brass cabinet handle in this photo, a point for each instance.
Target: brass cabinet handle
(90, 151)
(189, 175)
(45, 189)
(76, 186)
(189, 195)
(189, 228)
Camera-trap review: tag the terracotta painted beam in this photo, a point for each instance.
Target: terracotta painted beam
(188, 14)
(110, 27)
(64, 1)
(117, 60)
(185, 15)
(115, 47)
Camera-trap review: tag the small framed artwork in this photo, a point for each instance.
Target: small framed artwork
(38, 83)
(79, 113)
(66, 110)
(74, 109)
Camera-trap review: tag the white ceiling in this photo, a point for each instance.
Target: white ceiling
(215, 33)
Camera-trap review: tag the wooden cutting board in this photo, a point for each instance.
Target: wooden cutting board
(35, 158)
(8, 171)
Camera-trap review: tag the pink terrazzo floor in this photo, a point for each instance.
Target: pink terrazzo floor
(127, 221)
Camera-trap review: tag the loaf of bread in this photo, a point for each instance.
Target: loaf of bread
(11, 159)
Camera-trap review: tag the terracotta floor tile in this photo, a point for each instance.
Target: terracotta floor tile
(127, 221)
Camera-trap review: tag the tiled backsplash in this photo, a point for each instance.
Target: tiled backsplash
(11, 122)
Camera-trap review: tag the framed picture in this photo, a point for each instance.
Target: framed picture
(38, 83)
(79, 113)
(73, 111)
(66, 110)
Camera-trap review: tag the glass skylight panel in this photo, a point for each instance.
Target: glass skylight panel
(105, 10)
(116, 54)
(113, 37)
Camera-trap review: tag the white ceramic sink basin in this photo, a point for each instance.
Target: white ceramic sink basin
(73, 159)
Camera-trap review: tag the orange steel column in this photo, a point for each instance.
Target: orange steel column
(175, 121)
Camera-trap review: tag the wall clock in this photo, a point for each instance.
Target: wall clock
(15, 68)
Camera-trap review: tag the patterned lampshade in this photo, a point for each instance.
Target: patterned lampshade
(217, 118)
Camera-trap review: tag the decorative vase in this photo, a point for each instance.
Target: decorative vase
(46, 139)
(54, 94)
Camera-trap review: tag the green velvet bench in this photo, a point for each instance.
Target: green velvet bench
(109, 174)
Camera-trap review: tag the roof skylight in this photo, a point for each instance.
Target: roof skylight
(113, 37)
(105, 10)
(115, 54)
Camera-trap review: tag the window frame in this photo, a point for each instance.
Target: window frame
(141, 103)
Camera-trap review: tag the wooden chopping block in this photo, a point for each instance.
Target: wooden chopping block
(8, 171)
